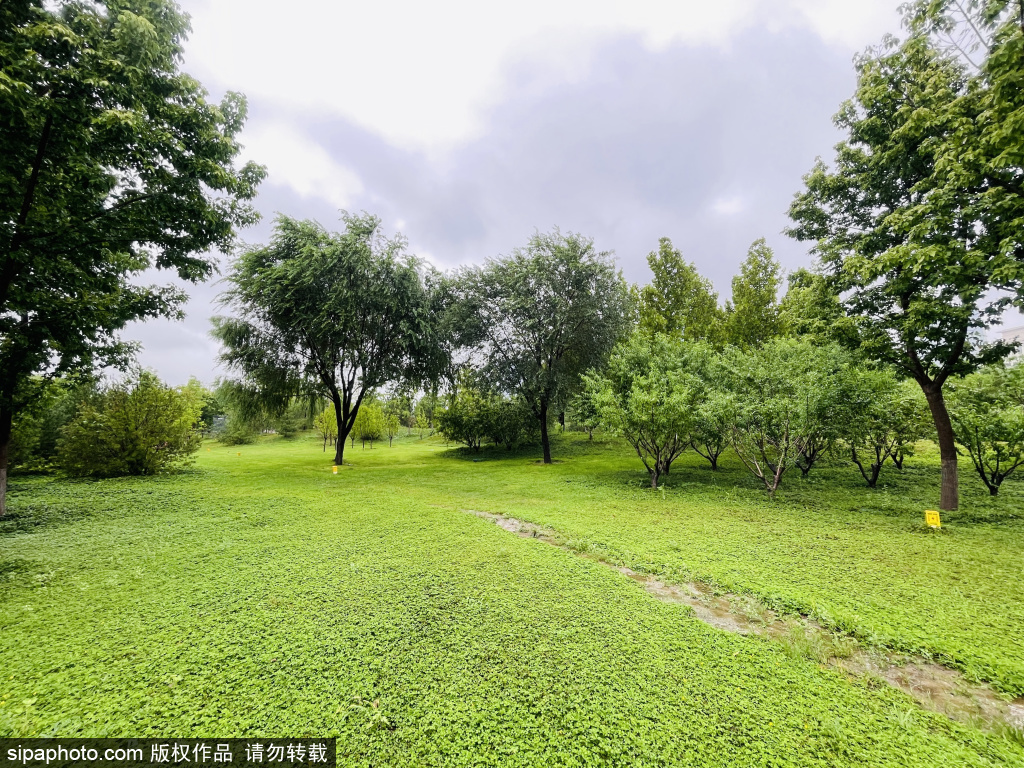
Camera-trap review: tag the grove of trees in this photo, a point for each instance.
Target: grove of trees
(115, 162)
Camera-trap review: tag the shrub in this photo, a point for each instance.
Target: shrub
(139, 426)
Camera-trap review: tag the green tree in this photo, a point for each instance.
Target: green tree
(369, 424)
(923, 259)
(785, 400)
(882, 420)
(111, 162)
(334, 315)
(811, 309)
(326, 425)
(679, 301)
(541, 317)
(464, 418)
(647, 396)
(753, 315)
(714, 410)
(139, 426)
(987, 410)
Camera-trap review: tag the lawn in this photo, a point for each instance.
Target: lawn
(261, 595)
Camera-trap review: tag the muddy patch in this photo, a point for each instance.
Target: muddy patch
(934, 687)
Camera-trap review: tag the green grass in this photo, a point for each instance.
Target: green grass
(260, 595)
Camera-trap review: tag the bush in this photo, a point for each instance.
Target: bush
(139, 426)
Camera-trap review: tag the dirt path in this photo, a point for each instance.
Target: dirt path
(934, 687)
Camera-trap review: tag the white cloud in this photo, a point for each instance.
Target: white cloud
(295, 161)
(729, 205)
(419, 73)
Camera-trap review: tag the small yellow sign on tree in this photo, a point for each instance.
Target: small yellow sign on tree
(931, 518)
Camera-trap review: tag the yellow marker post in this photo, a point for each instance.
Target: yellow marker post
(334, 469)
(239, 453)
(931, 518)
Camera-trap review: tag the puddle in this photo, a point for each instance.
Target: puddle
(933, 686)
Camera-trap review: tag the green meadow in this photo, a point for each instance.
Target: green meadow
(261, 595)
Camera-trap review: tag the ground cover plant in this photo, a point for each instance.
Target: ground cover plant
(260, 594)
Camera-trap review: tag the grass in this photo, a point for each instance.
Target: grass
(260, 595)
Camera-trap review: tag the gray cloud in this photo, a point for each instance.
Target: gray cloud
(643, 146)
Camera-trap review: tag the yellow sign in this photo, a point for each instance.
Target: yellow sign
(931, 518)
(334, 469)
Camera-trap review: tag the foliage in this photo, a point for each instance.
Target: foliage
(112, 162)
(539, 318)
(472, 415)
(811, 309)
(369, 425)
(714, 412)
(882, 418)
(408, 597)
(647, 396)
(919, 222)
(787, 396)
(988, 415)
(326, 425)
(138, 426)
(753, 316)
(334, 315)
(427, 405)
(679, 301)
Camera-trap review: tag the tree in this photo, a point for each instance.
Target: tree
(111, 162)
(463, 419)
(882, 420)
(811, 309)
(679, 301)
(334, 315)
(369, 423)
(714, 410)
(139, 426)
(784, 405)
(987, 409)
(540, 317)
(919, 224)
(647, 396)
(752, 317)
(326, 425)
(391, 426)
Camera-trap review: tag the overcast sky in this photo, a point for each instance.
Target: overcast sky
(468, 125)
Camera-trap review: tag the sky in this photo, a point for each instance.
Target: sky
(468, 126)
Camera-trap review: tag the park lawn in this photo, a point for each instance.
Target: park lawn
(859, 559)
(261, 595)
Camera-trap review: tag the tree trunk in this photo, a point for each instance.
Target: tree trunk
(950, 498)
(654, 478)
(339, 440)
(6, 421)
(545, 443)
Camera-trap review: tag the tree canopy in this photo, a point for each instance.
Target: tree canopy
(540, 317)
(918, 224)
(112, 161)
(335, 315)
(679, 301)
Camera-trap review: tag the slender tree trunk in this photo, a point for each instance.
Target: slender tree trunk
(950, 498)
(339, 440)
(545, 443)
(6, 421)
(654, 478)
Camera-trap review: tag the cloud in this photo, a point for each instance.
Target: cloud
(420, 74)
(470, 131)
(295, 161)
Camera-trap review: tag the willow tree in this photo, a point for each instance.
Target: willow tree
(334, 315)
(920, 221)
(540, 317)
(112, 162)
